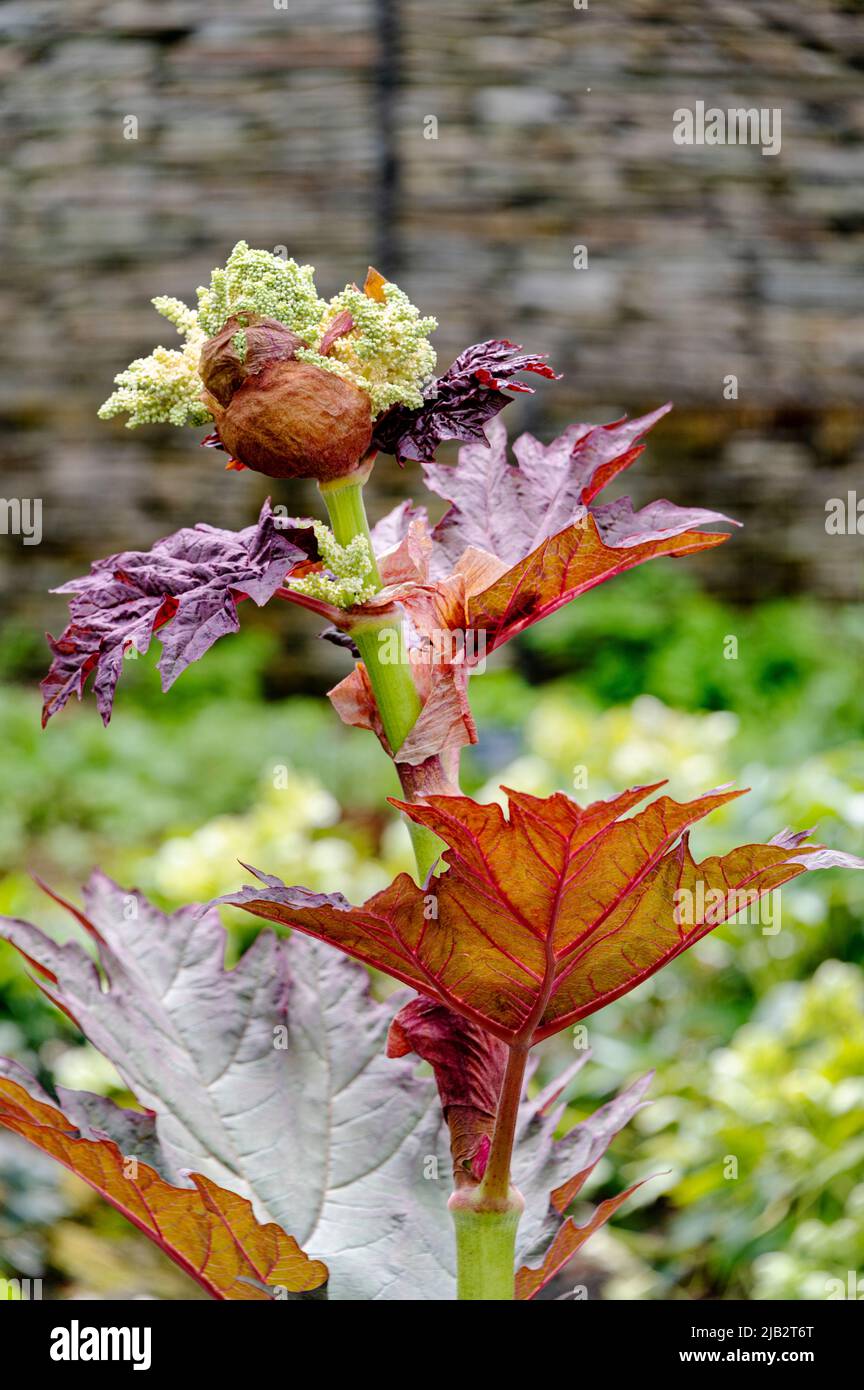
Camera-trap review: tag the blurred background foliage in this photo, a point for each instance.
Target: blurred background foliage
(756, 1133)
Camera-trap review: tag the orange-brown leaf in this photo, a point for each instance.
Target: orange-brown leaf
(544, 917)
(563, 567)
(568, 1240)
(374, 285)
(208, 1231)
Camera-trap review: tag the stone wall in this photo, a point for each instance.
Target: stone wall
(309, 126)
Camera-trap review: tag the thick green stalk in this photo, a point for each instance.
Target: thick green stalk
(380, 641)
(347, 512)
(485, 1217)
(485, 1251)
(381, 644)
(427, 849)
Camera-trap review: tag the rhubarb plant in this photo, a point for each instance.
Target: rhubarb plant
(287, 1142)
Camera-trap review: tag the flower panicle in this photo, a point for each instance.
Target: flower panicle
(386, 353)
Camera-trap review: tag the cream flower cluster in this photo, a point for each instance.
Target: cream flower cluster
(350, 578)
(387, 353)
(164, 386)
(261, 283)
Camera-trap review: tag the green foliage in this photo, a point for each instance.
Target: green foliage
(768, 1163)
(163, 765)
(796, 669)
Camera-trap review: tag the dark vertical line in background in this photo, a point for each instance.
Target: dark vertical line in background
(388, 79)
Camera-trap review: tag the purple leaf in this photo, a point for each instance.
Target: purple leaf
(621, 527)
(191, 580)
(460, 402)
(564, 1166)
(510, 511)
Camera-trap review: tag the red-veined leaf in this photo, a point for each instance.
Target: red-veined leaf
(209, 1232)
(559, 570)
(544, 917)
(268, 1078)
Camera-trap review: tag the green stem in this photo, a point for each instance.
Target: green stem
(347, 512)
(429, 778)
(380, 641)
(381, 645)
(486, 1251)
(485, 1217)
(427, 849)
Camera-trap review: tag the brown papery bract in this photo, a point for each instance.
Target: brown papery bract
(296, 420)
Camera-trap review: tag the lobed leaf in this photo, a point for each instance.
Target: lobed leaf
(186, 588)
(544, 917)
(510, 511)
(559, 1170)
(568, 1240)
(459, 403)
(516, 544)
(209, 1232)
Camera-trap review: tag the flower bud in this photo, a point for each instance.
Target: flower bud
(281, 417)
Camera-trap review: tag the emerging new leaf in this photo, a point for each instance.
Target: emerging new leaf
(516, 544)
(542, 524)
(461, 402)
(469, 1067)
(508, 510)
